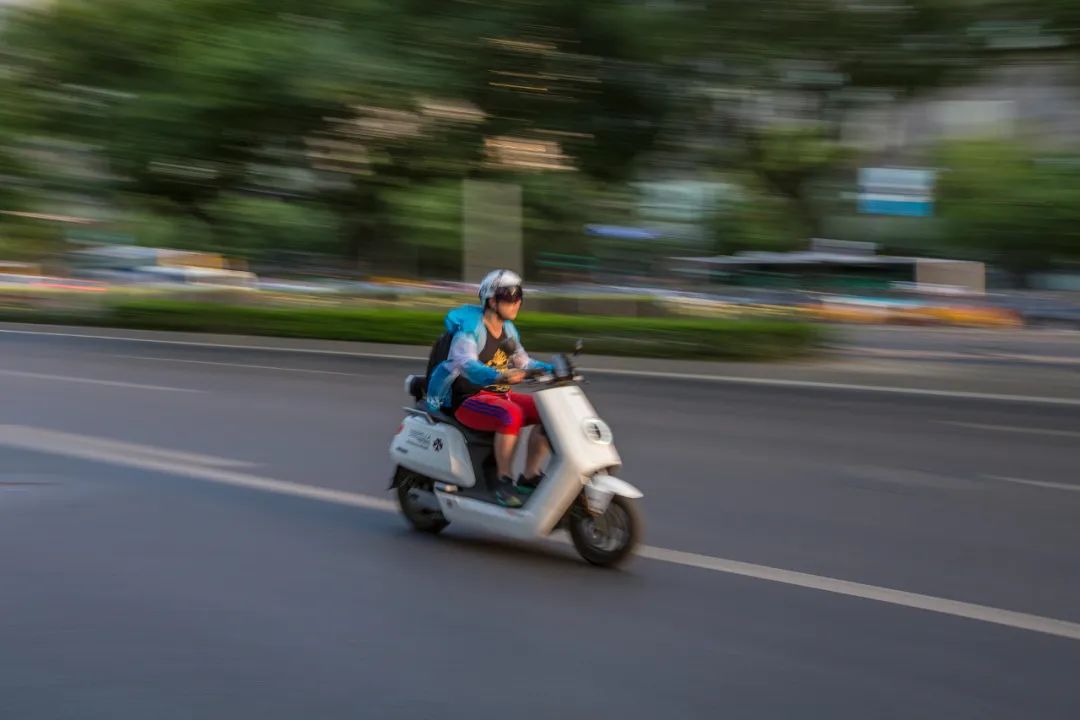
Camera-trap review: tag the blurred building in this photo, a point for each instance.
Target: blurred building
(835, 266)
(1034, 97)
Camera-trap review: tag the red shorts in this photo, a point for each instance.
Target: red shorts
(498, 412)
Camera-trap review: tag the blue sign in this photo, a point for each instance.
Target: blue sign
(895, 205)
(622, 233)
(896, 191)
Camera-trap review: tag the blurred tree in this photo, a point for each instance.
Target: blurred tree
(1065, 18)
(262, 227)
(189, 100)
(1007, 205)
(14, 123)
(1035, 24)
(754, 218)
(368, 108)
(192, 101)
(556, 208)
(11, 172)
(159, 223)
(774, 81)
(787, 159)
(182, 96)
(426, 222)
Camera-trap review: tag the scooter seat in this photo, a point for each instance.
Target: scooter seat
(472, 437)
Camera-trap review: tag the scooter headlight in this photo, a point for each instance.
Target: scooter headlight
(597, 431)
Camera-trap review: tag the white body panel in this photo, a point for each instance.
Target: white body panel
(536, 519)
(435, 450)
(571, 421)
(580, 451)
(583, 456)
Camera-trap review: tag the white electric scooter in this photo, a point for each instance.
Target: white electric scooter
(445, 473)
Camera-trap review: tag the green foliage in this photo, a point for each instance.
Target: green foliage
(1010, 205)
(640, 337)
(257, 226)
(204, 114)
(755, 219)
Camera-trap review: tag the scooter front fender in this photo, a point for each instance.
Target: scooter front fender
(615, 486)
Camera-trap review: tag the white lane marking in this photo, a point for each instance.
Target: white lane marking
(1035, 483)
(970, 611)
(1045, 359)
(224, 346)
(905, 354)
(240, 365)
(28, 438)
(778, 382)
(901, 354)
(666, 375)
(1011, 428)
(93, 381)
(56, 438)
(153, 459)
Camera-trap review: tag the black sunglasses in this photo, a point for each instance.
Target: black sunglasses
(513, 294)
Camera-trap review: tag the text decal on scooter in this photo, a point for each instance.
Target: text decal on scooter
(419, 439)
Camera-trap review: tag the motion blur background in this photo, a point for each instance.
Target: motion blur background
(198, 527)
(649, 144)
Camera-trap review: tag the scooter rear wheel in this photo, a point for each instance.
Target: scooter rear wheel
(419, 515)
(608, 539)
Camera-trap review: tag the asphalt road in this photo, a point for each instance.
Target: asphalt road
(1042, 347)
(139, 579)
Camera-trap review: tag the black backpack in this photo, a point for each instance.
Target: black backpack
(440, 351)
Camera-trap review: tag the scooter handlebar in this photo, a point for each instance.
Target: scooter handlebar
(540, 376)
(537, 376)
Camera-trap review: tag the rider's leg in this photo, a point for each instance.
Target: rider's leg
(504, 453)
(539, 448)
(494, 413)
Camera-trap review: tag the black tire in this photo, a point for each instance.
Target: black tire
(621, 517)
(421, 519)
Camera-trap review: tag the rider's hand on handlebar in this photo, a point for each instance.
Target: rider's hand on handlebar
(513, 377)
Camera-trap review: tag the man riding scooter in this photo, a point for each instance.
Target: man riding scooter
(484, 360)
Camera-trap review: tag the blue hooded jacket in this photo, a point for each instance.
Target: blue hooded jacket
(470, 335)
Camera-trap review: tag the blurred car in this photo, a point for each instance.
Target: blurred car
(1042, 311)
(50, 282)
(198, 276)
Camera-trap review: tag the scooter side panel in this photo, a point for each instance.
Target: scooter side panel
(583, 446)
(539, 516)
(575, 430)
(435, 451)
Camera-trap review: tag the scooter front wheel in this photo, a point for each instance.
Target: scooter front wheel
(607, 540)
(416, 497)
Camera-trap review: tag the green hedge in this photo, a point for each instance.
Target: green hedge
(638, 337)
